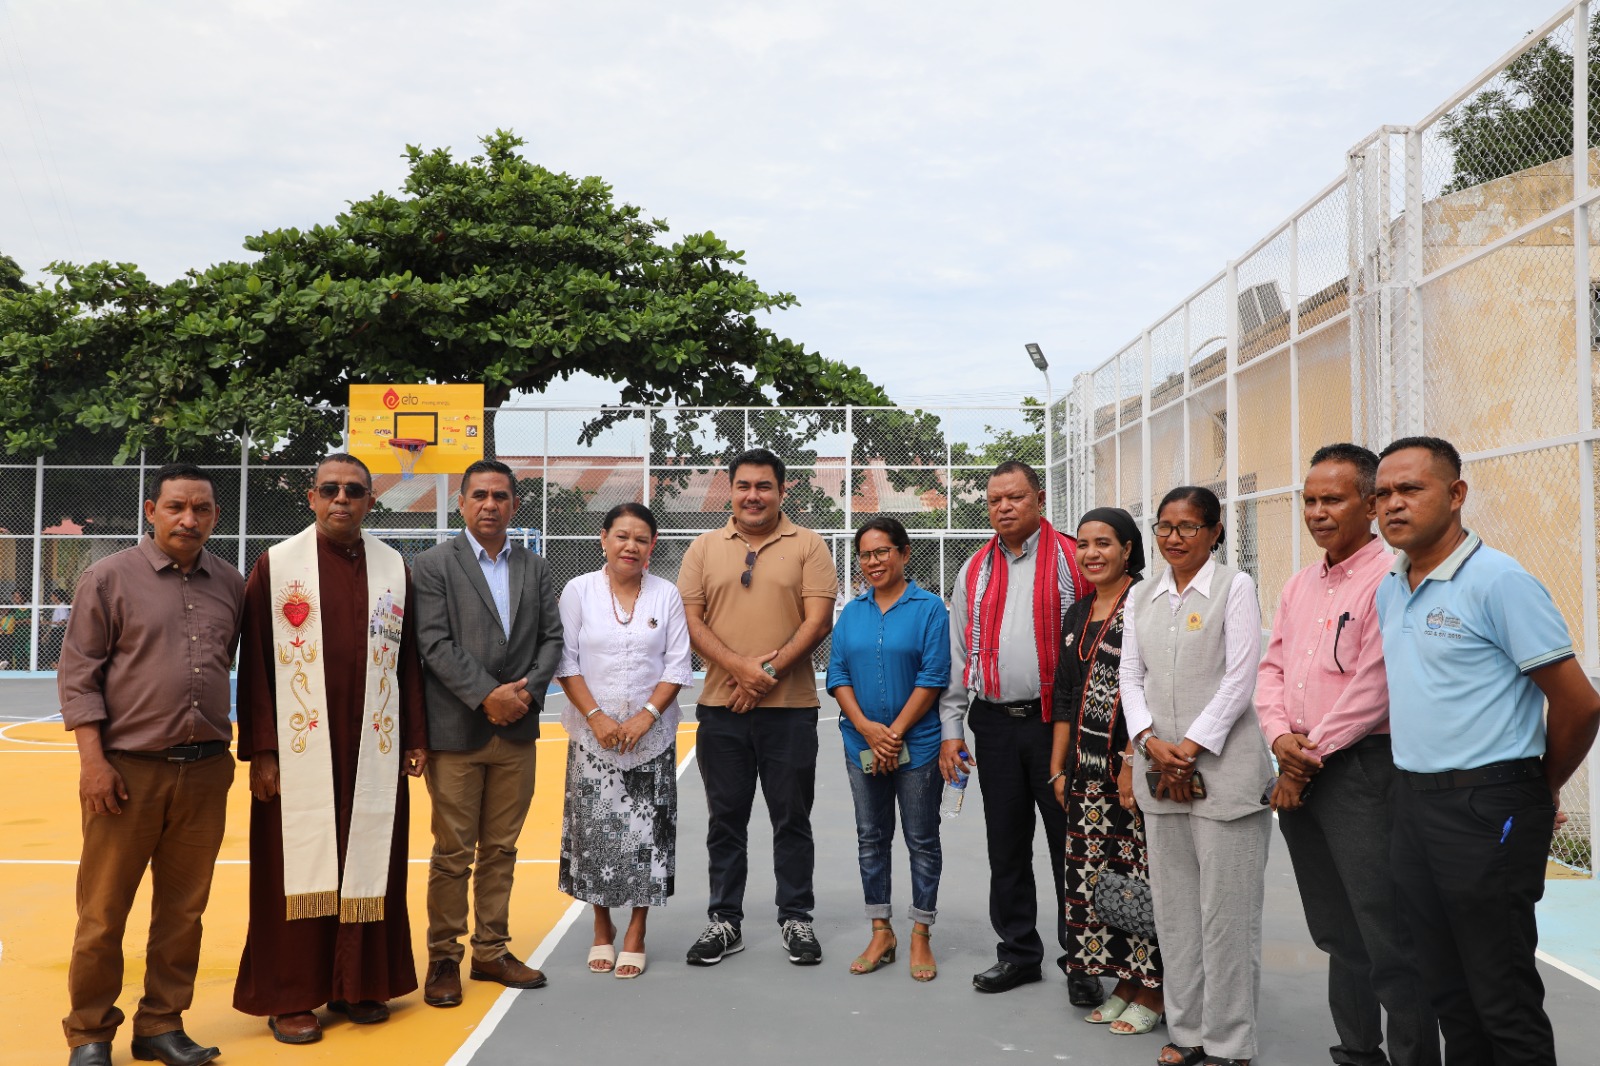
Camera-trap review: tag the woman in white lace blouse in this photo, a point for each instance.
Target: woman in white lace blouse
(626, 655)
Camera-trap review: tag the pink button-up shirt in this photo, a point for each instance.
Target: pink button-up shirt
(1322, 678)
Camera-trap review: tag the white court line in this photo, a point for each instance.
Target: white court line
(502, 1006)
(1568, 969)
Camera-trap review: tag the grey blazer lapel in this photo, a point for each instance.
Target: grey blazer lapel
(518, 574)
(468, 561)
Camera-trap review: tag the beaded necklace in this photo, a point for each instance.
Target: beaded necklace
(616, 605)
(1086, 648)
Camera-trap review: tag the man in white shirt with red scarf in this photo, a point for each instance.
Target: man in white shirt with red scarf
(1005, 631)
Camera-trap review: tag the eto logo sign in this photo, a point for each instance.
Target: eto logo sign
(391, 399)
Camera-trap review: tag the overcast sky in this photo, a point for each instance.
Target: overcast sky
(937, 182)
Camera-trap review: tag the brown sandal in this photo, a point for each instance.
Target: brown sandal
(863, 965)
(924, 973)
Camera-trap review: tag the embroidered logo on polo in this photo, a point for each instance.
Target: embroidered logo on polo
(1443, 624)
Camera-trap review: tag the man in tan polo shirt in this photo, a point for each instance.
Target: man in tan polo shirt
(144, 688)
(758, 594)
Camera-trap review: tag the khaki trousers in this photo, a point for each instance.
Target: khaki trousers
(480, 800)
(172, 821)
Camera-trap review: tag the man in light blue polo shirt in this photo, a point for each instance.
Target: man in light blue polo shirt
(1474, 647)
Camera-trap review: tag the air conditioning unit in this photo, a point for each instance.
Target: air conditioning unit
(1259, 304)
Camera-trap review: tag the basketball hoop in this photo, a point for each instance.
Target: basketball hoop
(409, 450)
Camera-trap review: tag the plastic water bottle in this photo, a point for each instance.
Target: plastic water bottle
(955, 792)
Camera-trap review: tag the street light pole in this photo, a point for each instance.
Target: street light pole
(1036, 354)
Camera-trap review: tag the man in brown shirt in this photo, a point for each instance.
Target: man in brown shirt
(758, 596)
(144, 688)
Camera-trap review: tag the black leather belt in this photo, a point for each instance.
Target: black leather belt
(181, 753)
(1496, 773)
(1018, 709)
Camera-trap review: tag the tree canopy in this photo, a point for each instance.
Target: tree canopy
(10, 276)
(1524, 119)
(491, 269)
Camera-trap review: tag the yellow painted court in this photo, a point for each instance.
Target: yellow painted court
(39, 847)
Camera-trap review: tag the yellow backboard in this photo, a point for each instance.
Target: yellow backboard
(448, 417)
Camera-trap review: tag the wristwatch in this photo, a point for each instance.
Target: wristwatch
(1143, 742)
(769, 670)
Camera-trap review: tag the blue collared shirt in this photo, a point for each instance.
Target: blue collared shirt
(1459, 650)
(883, 655)
(497, 572)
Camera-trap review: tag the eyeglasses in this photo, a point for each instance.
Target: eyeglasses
(1186, 530)
(353, 490)
(749, 567)
(874, 555)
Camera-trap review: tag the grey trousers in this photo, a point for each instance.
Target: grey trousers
(1208, 879)
(1339, 844)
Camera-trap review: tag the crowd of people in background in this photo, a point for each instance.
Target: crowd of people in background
(1397, 724)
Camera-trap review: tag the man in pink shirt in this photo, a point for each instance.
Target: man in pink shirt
(1323, 699)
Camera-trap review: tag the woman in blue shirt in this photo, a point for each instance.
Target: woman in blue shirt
(890, 662)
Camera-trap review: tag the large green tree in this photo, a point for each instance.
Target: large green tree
(491, 269)
(10, 276)
(1522, 119)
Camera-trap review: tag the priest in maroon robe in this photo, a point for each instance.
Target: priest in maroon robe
(292, 967)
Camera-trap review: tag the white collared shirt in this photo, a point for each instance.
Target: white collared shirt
(1242, 644)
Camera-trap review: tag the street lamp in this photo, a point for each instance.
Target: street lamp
(1036, 354)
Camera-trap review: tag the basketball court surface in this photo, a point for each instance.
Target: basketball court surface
(754, 1006)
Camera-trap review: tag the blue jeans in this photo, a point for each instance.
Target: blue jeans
(917, 790)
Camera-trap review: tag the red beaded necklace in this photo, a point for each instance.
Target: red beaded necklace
(1087, 648)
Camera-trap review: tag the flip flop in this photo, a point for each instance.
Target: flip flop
(1113, 1008)
(602, 953)
(629, 958)
(1140, 1017)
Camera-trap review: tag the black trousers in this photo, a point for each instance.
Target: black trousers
(1339, 843)
(1013, 756)
(777, 747)
(1470, 864)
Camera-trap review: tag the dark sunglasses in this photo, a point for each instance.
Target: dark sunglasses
(353, 490)
(749, 566)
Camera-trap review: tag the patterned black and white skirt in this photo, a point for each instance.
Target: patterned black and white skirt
(619, 830)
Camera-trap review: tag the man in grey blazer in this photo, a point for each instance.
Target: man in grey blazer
(490, 637)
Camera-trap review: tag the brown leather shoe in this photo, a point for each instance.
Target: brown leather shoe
(508, 971)
(302, 1027)
(363, 1012)
(443, 986)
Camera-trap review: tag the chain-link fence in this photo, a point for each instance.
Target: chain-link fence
(927, 468)
(1444, 284)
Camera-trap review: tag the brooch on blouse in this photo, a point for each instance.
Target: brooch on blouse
(1066, 642)
(651, 623)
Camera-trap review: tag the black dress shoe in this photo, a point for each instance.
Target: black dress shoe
(173, 1048)
(1004, 976)
(96, 1054)
(1084, 990)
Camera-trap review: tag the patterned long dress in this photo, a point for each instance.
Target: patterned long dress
(1101, 835)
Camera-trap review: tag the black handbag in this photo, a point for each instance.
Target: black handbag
(1125, 903)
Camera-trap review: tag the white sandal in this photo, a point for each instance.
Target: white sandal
(629, 958)
(602, 953)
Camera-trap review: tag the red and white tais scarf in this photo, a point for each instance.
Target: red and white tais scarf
(1057, 582)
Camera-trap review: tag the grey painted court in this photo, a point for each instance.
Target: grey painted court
(755, 1006)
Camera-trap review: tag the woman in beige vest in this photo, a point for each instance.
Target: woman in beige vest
(1189, 655)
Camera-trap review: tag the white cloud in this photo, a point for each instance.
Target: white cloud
(937, 182)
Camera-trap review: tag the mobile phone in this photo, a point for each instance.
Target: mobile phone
(1198, 783)
(867, 761)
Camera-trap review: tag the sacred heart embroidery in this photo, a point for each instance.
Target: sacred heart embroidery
(296, 605)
